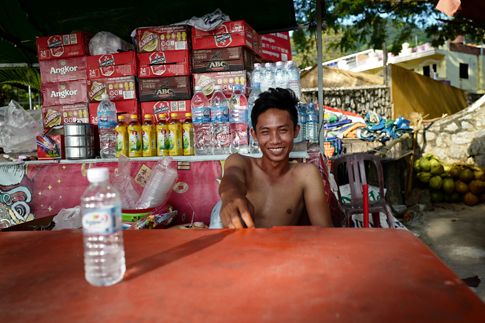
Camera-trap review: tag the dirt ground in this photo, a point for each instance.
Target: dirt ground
(456, 233)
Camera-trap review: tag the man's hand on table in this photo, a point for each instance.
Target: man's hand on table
(236, 213)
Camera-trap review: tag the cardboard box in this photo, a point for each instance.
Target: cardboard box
(64, 93)
(50, 145)
(62, 46)
(53, 116)
(223, 59)
(122, 107)
(156, 107)
(228, 34)
(161, 38)
(276, 47)
(227, 80)
(165, 88)
(163, 64)
(63, 69)
(117, 88)
(111, 65)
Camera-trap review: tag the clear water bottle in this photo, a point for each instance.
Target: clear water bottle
(107, 127)
(104, 255)
(201, 120)
(311, 123)
(267, 77)
(281, 76)
(301, 123)
(221, 132)
(255, 92)
(238, 119)
(256, 75)
(293, 78)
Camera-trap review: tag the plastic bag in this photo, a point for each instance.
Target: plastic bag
(123, 182)
(105, 42)
(18, 128)
(68, 219)
(159, 185)
(208, 21)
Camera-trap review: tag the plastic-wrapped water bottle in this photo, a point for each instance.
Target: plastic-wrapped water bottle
(104, 255)
(281, 76)
(255, 91)
(238, 118)
(221, 132)
(267, 77)
(256, 75)
(311, 123)
(106, 127)
(293, 78)
(201, 119)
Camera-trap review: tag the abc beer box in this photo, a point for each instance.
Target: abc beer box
(111, 65)
(228, 34)
(165, 88)
(161, 38)
(222, 59)
(63, 69)
(162, 64)
(227, 80)
(122, 107)
(155, 108)
(117, 88)
(64, 93)
(53, 116)
(62, 46)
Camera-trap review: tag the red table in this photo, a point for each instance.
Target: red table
(287, 274)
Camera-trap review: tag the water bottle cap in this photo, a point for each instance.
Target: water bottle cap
(198, 88)
(217, 87)
(174, 116)
(98, 174)
(188, 114)
(279, 63)
(148, 116)
(121, 117)
(104, 96)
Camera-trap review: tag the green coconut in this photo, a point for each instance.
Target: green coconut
(423, 177)
(448, 185)
(436, 167)
(424, 164)
(436, 196)
(435, 182)
(466, 175)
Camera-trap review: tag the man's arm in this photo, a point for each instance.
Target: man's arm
(315, 203)
(235, 209)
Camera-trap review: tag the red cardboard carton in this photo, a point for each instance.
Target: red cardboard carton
(122, 107)
(222, 59)
(276, 47)
(226, 79)
(111, 65)
(165, 88)
(117, 88)
(157, 107)
(62, 46)
(161, 38)
(50, 145)
(64, 93)
(63, 69)
(58, 115)
(162, 64)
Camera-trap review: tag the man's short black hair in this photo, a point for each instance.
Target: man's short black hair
(281, 99)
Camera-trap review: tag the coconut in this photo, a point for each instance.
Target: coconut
(436, 167)
(476, 186)
(461, 187)
(423, 177)
(424, 164)
(435, 182)
(470, 199)
(448, 185)
(455, 171)
(466, 175)
(436, 196)
(480, 174)
(416, 166)
(456, 197)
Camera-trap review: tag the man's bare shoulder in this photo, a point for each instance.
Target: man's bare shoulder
(307, 171)
(237, 160)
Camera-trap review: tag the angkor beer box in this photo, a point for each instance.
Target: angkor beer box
(276, 47)
(122, 107)
(162, 64)
(222, 59)
(161, 38)
(111, 65)
(117, 88)
(165, 88)
(156, 107)
(228, 34)
(62, 46)
(57, 115)
(63, 93)
(63, 69)
(227, 80)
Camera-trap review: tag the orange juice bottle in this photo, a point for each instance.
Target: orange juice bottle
(121, 137)
(162, 135)
(148, 137)
(134, 137)
(175, 147)
(188, 135)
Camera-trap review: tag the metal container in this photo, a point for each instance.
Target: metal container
(78, 129)
(80, 152)
(79, 141)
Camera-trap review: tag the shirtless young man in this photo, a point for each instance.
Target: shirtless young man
(270, 191)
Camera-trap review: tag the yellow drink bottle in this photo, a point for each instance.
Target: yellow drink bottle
(188, 135)
(162, 135)
(134, 137)
(148, 137)
(175, 136)
(121, 137)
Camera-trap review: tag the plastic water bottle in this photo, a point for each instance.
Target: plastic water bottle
(104, 255)
(255, 92)
(267, 77)
(281, 76)
(106, 127)
(301, 123)
(201, 119)
(238, 118)
(256, 75)
(311, 123)
(220, 121)
(293, 78)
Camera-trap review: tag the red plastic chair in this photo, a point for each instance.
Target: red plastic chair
(356, 167)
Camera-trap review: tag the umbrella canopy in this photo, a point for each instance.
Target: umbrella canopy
(471, 9)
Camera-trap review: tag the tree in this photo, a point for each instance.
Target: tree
(14, 83)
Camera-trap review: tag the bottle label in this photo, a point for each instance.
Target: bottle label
(201, 114)
(220, 113)
(102, 220)
(238, 116)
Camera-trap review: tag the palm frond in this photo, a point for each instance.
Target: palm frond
(20, 76)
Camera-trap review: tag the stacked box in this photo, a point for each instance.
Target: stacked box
(164, 64)
(111, 65)
(276, 47)
(223, 59)
(156, 107)
(162, 38)
(122, 107)
(62, 46)
(227, 80)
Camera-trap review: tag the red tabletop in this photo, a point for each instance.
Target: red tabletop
(288, 274)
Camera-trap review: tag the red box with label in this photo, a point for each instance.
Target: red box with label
(50, 145)
(162, 64)
(122, 107)
(117, 88)
(223, 59)
(155, 107)
(63, 93)
(161, 38)
(276, 47)
(57, 115)
(228, 34)
(227, 80)
(165, 88)
(63, 69)
(62, 46)
(111, 65)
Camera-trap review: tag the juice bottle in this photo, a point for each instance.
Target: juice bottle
(134, 137)
(121, 137)
(162, 135)
(188, 135)
(148, 137)
(175, 136)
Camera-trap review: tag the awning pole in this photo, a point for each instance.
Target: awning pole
(321, 133)
(30, 98)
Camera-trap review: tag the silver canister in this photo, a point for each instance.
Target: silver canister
(79, 141)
